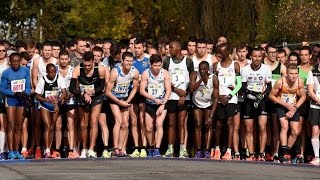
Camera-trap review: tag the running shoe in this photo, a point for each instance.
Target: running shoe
(47, 155)
(143, 153)
(198, 155)
(55, 155)
(18, 155)
(217, 154)
(92, 154)
(106, 154)
(169, 154)
(227, 156)
(76, 154)
(276, 159)
(24, 154)
(2, 157)
(237, 157)
(183, 154)
(71, 155)
(206, 154)
(298, 160)
(261, 157)
(83, 153)
(135, 153)
(38, 154)
(30, 154)
(315, 161)
(286, 158)
(212, 154)
(150, 153)
(123, 153)
(269, 157)
(11, 155)
(251, 157)
(156, 153)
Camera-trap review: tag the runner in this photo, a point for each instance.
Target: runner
(157, 82)
(202, 55)
(256, 83)
(288, 94)
(4, 64)
(90, 78)
(205, 89)
(15, 85)
(50, 91)
(119, 98)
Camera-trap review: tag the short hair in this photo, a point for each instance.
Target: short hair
(64, 52)
(184, 46)
(127, 54)
(136, 35)
(210, 41)
(50, 65)
(280, 51)
(25, 56)
(31, 43)
(306, 48)
(140, 40)
(316, 45)
(56, 43)
(270, 46)
(78, 39)
(257, 49)
(14, 54)
(97, 49)
(163, 40)
(204, 63)
(201, 41)
(241, 45)
(88, 56)
(46, 43)
(192, 39)
(292, 66)
(124, 42)
(99, 41)
(20, 44)
(91, 41)
(177, 40)
(155, 58)
(115, 49)
(295, 55)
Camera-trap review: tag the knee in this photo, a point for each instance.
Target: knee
(159, 126)
(197, 125)
(172, 123)
(295, 132)
(149, 129)
(263, 129)
(18, 127)
(284, 128)
(219, 125)
(58, 126)
(249, 130)
(94, 123)
(134, 123)
(124, 125)
(84, 125)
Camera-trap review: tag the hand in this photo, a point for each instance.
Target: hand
(291, 107)
(158, 101)
(290, 114)
(160, 110)
(87, 98)
(223, 99)
(90, 92)
(124, 103)
(209, 122)
(181, 101)
(56, 108)
(180, 92)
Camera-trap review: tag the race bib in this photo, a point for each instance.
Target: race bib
(122, 87)
(289, 98)
(156, 90)
(84, 88)
(177, 77)
(50, 93)
(203, 94)
(256, 87)
(18, 85)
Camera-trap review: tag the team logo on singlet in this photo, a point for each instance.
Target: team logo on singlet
(144, 64)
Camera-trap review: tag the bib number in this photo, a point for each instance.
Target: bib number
(288, 98)
(122, 87)
(155, 90)
(177, 77)
(18, 85)
(84, 88)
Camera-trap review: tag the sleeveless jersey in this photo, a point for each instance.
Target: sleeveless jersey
(141, 65)
(196, 62)
(227, 81)
(155, 86)
(121, 88)
(67, 80)
(316, 88)
(276, 74)
(42, 67)
(202, 97)
(289, 95)
(3, 67)
(88, 83)
(179, 75)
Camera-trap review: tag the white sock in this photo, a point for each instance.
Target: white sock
(182, 148)
(2, 141)
(218, 148)
(315, 145)
(23, 149)
(229, 150)
(275, 154)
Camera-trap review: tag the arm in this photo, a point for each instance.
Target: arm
(110, 85)
(102, 81)
(194, 85)
(167, 87)
(28, 83)
(238, 80)
(283, 70)
(63, 95)
(274, 92)
(143, 86)
(135, 83)
(35, 72)
(74, 80)
(301, 93)
(39, 91)
(4, 82)
(215, 96)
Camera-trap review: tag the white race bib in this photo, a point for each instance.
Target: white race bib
(18, 85)
(50, 93)
(288, 98)
(84, 88)
(203, 94)
(155, 90)
(177, 77)
(122, 88)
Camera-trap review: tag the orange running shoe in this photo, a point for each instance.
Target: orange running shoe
(212, 154)
(227, 156)
(55, 155)
(24, 154)
(38, 153)
(217, 154)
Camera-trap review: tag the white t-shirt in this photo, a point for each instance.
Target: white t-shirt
(316, 88)
(256, 80)
(41, 83)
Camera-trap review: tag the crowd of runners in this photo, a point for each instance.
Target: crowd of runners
(194, 99)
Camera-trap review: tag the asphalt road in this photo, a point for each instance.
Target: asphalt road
(129, 168)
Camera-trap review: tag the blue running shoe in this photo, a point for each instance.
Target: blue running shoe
(198, 155)
(206, 154)
(2, 156)
(150, 153)
(18, 155)
(156, 153)
(11, 155)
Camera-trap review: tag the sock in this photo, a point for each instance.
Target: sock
(229, 150)
(315, 145)
(106, 148)
(151, 147)
(2, 141)
(143, 147)
(182, 148)
(170, 147)
(218, 148)
(23, 149)
(275, 154)
(47, 150)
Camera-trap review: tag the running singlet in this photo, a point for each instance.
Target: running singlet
(121, 88)
(240, 95)
(67, 80)
(141, 65)
(3, 67)
(314, 78)
(256, 80)
(227, 81)
(289, 95)
(196, 63)
(276, 74)
(202, 97)
(89, 83)
(155, 86)
(42, 67)
(303, 75)
(179, 76)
